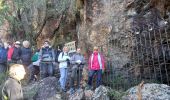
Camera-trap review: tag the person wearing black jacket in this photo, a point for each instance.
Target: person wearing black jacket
(16, 56)
(26, 53)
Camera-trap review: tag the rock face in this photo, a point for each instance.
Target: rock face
(128, 31)
(149, 92)
(100, 93)
(88, 94)
(47, 90)
(43, 90)
(77, 96)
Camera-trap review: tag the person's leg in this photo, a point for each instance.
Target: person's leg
(79, 76)
(62, 75)
(43, 70)
(99, 78)
(50, 69)
(2, 69)
(36, 72)
(73, 76)
(31, 71)
(90, 76)
(65, 78)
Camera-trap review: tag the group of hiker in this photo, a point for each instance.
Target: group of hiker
(43, 62)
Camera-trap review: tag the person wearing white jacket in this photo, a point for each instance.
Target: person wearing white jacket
(63, 60)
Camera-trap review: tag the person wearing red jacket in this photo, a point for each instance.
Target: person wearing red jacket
(95, 65)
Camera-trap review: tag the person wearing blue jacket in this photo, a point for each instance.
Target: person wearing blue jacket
(78, 61)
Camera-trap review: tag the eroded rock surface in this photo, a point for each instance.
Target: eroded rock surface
(149, 92)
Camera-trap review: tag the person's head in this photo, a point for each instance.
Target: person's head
(65, 49)
(95, 49)
(78, 50)
(46, 43)
(17, 71)
(26, 44)
(10, 44)
(17, 44)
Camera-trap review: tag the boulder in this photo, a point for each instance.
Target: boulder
(45, 89)
(88, 94)
(78, 95)
(101, 93)
(148, 92)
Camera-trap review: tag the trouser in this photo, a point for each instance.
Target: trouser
(76, 74)
(33, 70)
(99, 77)
(46, 69)
(3, 68)
(12, 62)
(63, 77)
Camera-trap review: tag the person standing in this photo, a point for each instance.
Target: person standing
(95, 65)
(78, 61)
(26, 54)
(3, 59)
(12, 89)
(63, 60)
(47, 58)
(16, 54)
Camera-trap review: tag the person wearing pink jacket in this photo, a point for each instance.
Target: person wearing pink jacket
(95, 65)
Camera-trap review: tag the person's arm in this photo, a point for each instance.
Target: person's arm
(53, 54)
(83, 60)
(20, 53)
(89, 64)
(40, 55)
(103, 62)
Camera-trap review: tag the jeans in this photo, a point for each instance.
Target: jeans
(76, 74)
(46, 69)
(63, 77)
(99, 77)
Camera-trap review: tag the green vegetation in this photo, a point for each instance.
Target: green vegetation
(2, 80)
(115, 94)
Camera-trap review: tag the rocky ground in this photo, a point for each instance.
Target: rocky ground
(48, 89)
(148, 92)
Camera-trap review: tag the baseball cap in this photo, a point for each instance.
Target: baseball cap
(17, 42)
